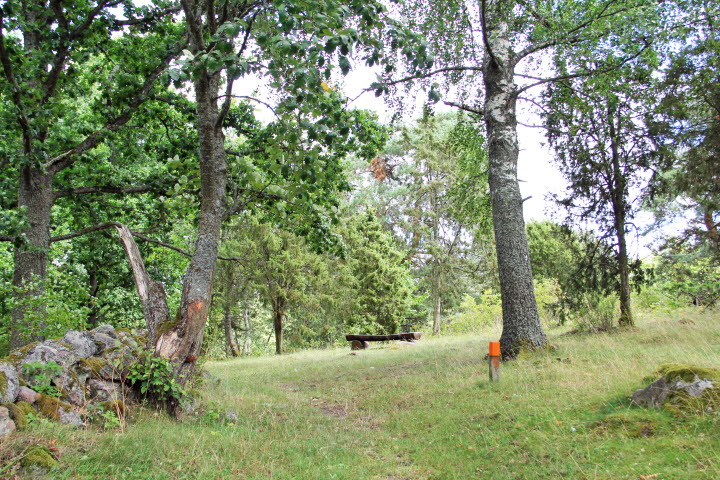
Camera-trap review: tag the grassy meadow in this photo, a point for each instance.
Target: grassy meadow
(421, 412)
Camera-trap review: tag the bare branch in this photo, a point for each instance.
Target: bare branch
(84, 231)
(583, 73)
(475, 111)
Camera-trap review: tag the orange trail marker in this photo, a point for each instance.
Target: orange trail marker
(494, 361)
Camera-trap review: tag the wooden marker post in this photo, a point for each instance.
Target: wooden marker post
(494, 361)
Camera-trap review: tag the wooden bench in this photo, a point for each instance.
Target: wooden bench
(361, 342)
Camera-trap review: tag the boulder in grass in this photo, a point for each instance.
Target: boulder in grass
(9, 383)
(682, 388)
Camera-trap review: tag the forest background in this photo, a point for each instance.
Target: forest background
(328, 221)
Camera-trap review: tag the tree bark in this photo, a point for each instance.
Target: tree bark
(182, 342)
(152, 295)
(248, 331)
(521, 322)
(31, 256)
(437, 306)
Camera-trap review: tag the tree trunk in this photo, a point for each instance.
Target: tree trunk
(30, 257)
(620, 214)
(437, 304)
(278, 314)
(152, 295)
(521, 322)
(248, 331)
(182, 342)
(231, 347)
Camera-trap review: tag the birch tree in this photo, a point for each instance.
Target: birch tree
(492, 52)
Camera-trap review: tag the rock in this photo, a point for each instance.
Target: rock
(231, 416)
(48, 351)
(82, 344)
(6, 423)
(38, 461)
(69, 417)
(17, 414)
(72, 385)
(677, 383)
(106, 391)
(27, 395)
(104, 341)
(653, 395)
(9, 383)
(106, 329)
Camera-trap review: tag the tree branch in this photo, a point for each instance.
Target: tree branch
(84, 231)
(585, 73)
(106, 225)
(67, 158)
(102, 189)
(427, 75)
(464, 107)
(14, 86)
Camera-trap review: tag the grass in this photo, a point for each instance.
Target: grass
(424, 412)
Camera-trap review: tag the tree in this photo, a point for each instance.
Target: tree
(43, 51)
(382, 289)
(277, 265)
(430, 190)
(687, 126)
(296, 45)
(490, 42)
(599, 132)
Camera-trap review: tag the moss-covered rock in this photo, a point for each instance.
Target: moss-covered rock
(682, 389)
(15, 357)
(50, 407)
(17, 415)
(687, 373)
(93, 365)
(38, 461)
(9, 382)
(25, 407)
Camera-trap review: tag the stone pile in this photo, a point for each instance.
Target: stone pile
(93, 369)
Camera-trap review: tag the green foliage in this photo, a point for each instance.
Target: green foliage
(475, 316)
(382, 292)
(39, 376)
(596, 313)
(153, 376)
(689, 276)
(109, 415)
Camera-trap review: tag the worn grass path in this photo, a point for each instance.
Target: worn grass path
(428, 412)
